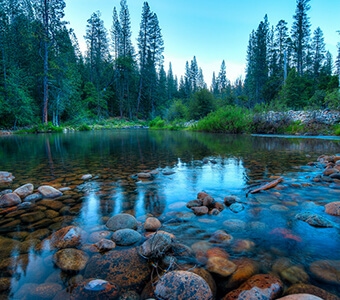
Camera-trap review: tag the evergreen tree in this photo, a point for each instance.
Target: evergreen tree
(222, 80)
(171, 85)
(281, 43)
(300, 35)
(319, 51)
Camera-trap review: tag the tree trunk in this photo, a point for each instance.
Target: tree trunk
(45, 58)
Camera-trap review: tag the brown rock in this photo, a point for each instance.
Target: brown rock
(220, 236)
(202, 195)
(99, 235)
(295, 274)
(67, 237)
(144, 175)
(301, 297)
(70, 259)
(200, 211)
(105, 245)
(333, 208)
(32, 216)
(219, 206)
(95, 289)
(194, 203)
(260, 286)
(182, 285)
(46, 290)
(326, 270)
(24, 190)
(209, 202)
(6, 177)
(126, 268)
(302, 288)
(152, 224)
(220, 266)
(9, 200)
(53, 204)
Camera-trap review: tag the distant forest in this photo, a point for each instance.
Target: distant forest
(46, 78)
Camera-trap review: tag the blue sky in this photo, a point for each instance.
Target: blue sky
(211, 30)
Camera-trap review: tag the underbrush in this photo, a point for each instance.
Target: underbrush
(229, 119)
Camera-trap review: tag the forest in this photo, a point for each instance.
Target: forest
(45, 78)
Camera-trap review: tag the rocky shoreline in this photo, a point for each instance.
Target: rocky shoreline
(129, 258)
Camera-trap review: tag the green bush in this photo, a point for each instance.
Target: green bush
(157, 123)
(332, 99)
(336, 129)
(229, 119)
(84, 127)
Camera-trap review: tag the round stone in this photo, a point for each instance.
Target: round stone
(99, 235)
(24, 190)
(121, 221)
(182, 285)
(125, 237)
(105, 245)
(152, 224)
(49, 191)
(70, 259)
(9, 200)
(46, 290)
(156, 246)
(220, 266)
(300, 297)
(326, 270)
(333, 208)
(126, 268)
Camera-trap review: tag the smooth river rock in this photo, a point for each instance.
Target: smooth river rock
(126, 237)
(70, 259)
(24, 190)
(333, 208)
(126, 268)
(182, 285)
(121, 221)
(49, 191)
(9, 200)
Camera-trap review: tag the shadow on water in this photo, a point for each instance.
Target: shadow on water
(186, 163)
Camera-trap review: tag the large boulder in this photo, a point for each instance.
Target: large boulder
(126, 268)
(9, 200)
(182, 285)
(121, 221)
(49, 191)
(24, 190)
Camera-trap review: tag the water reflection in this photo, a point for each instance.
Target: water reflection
(187, 163)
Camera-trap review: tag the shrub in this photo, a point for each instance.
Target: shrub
(84, 127)
(157, 123)
(229, 119)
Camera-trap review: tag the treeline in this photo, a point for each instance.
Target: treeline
(46, 78)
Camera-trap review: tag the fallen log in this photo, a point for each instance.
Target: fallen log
(267, 186)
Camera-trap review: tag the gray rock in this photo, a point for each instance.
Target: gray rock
(314, 219)
(49, 191)
(9, 200)
(156, 246)
(121, 221)
(126, 236)
(24, 190)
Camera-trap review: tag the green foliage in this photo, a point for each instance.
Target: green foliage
(41, 128)
(336, 129)
(295, 127)
(84, 127)
(157, 123)
(332, 99)
(229, 119)
(201, 104)
(177, 110)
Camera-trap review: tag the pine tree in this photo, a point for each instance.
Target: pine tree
(222, 80)
(171, 85)
(300, 35)
(319, 51)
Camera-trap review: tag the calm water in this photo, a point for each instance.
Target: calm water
(221, 165)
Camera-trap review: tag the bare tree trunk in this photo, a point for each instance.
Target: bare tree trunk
(45, 58)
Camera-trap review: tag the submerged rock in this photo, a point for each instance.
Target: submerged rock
(182, 285)
(70, 259)
(326, 270)
(126, 236)
(302, 288)
(121, 221)
(49, 191)
(156, 246)
(126, 268)
(333, 208)
(9, 200)
(95, 289)
(24, 190)
(314, 219)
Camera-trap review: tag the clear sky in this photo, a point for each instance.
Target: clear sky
(212, 30)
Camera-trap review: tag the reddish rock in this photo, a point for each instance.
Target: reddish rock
(126, 268)
(219, 206)
(217, 252)
(67, 237)
(200, 211)
(45, 290)
(105, 245)
(302, 288)
(95, 289)
(202, 195)
(24, 190)
(182, 285)
(260, 286)
(143, 175)
(9, 200)
(300, 297)
(333, 208)
(152, 224)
